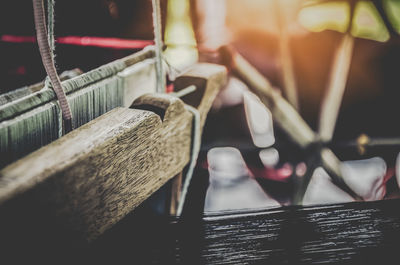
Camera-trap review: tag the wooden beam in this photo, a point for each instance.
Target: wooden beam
(94, 176)
(287, 69)
(207, 84)
(208, 79)
(336, 87)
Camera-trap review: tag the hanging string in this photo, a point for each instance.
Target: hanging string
(50, 26)
(50, 37)
(48, 59)
(157, 26)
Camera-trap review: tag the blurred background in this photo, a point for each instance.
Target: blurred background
(315, 31)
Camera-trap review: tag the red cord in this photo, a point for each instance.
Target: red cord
(102, 42)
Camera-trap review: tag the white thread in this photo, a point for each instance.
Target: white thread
(196, 142)
(50, 25)
(157, 26)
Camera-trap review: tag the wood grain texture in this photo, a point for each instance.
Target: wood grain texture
(96, 175)
(208, 79)
(350, 233)
(356, 233)
(92, 177)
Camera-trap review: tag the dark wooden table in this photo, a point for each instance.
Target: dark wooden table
(354, 233)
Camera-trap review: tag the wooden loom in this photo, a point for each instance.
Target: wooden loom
(63, 197)
(89, 179)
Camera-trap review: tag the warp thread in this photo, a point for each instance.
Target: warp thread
(27, 132)
(50, 37)
(48, 62)
(33, 121)
(40, 126)
(34, 100)
(196, 144)
(50, 26)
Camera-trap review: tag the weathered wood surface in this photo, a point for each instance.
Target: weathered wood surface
(358, 233)
(207, 82)
(95, 172)
(335, 90)
(92, 177)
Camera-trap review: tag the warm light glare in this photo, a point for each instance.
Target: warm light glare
(366, 22)
(179, 30)
(212, 17)
(261, 15)
(332, 15)
(179, 35)
(392, 8)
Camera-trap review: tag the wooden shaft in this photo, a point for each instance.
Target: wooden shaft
(284, 114)
(289, 80)
(336, 86)
(161, 78)
(287, 117)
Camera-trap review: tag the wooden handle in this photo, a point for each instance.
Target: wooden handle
(208, 79)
